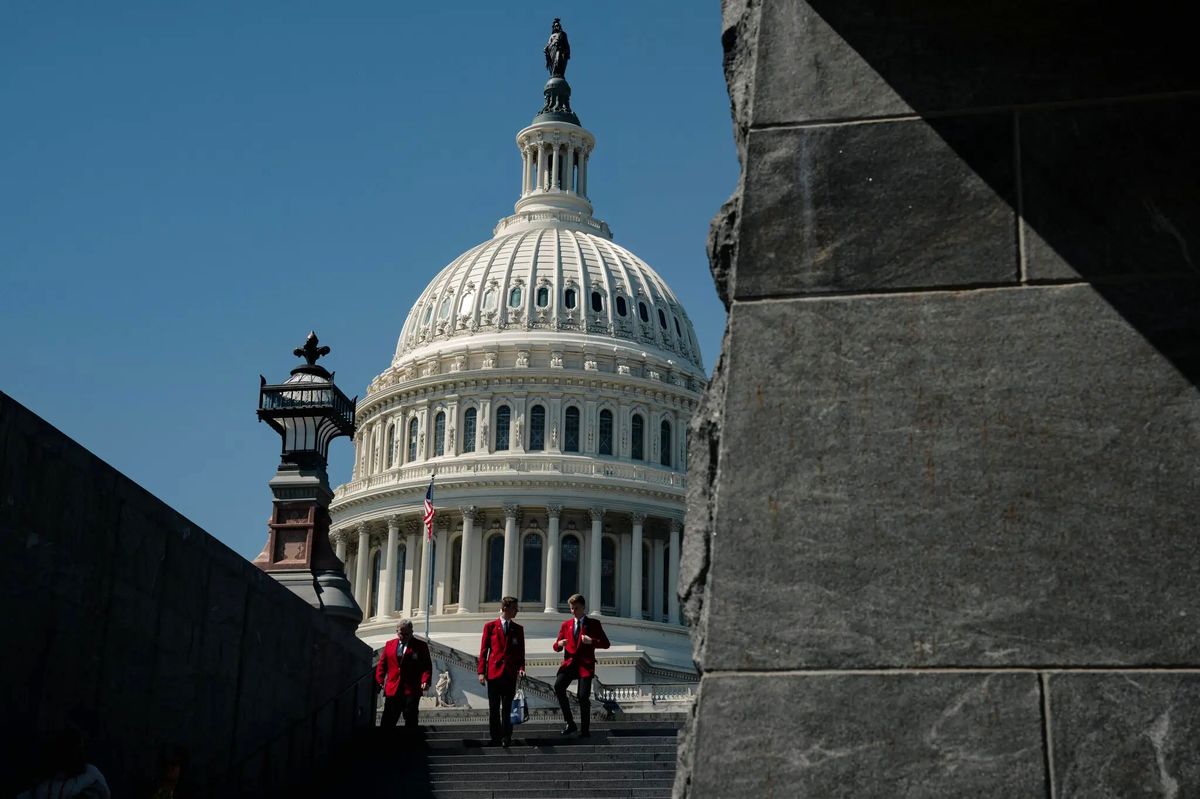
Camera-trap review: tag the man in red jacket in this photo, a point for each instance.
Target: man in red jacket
(403, 672)
(580, 637)
(501, 663)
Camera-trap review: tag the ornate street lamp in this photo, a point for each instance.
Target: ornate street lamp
(308, 411)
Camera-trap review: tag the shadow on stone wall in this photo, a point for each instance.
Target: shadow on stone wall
(127, 620)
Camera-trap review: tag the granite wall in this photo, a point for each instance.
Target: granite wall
(943, 535)
(124, 618)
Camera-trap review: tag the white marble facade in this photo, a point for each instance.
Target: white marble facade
(547, 377)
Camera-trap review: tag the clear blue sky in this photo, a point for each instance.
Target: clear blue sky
(187, 189)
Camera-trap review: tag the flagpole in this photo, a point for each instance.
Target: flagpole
(432, 555)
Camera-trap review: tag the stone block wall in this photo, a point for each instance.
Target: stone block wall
(126, 619)
(943, 531)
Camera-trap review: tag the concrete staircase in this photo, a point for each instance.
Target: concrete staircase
(630, 759)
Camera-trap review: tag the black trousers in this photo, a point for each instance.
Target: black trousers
(394, 706)
(585, 695)
(500, 699)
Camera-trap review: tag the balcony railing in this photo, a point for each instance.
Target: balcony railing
(492, 465)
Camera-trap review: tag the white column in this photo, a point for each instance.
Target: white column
(426, 570)
(524, 171)
(467, 591)
(552, 559)
(593, 595)
(508, 585)
(673, 574)
(412, 557)
(635, 567)
(441, 568)
(568, 173)
(555, 160)
(583, 174)
(339, 543)
(541, 166)
(387, 579)
(362, 587)
(656, 606)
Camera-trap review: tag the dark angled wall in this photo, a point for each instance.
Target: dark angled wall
(945, 522)
(125, 619)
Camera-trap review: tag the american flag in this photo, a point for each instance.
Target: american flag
(429, 511)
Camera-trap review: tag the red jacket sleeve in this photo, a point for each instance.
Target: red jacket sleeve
(381, 666)
(521, 650)
(427, 664)
(483, 647)
(599, 639)
(559, 637)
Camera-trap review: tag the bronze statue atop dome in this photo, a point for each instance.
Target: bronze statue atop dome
(558, 51)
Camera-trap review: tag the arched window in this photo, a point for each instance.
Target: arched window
(514, 297)
(503, 416)
(489, 300)
(606, 432)
(662, 319)
(643, 314)
(666, 581)
(678, 332)
(468, 441)
(568, 568)
(608, 572)
(543, 296)
(412, 440)
(621, 307)
(664, 443)
(455, 572)
(569, 299)
(428, 314)
(537, 428)
(464, 305)
(373, 601)
(571, 430)
(597, 302)
(444, 310)
(531, 568)
(647, 562)
(494, 584)
(401, 563)
(391, 445)
(439, 434)
(637, 444)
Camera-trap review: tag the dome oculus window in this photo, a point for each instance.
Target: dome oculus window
(678, 332)
(543, 296)
(569, 299)
(428, 313)
(621, 308)
(464, 305)
(643, 314)
(662, 319)
(514, 297)
(597, 302)
(444, 310)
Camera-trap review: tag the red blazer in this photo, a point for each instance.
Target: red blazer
(404, 677)
(581, 654)
(501, 657)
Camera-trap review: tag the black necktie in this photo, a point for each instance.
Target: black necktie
(506, 628)
(578, 628)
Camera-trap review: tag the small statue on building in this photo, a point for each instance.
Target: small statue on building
(441, 690)
(554, 435)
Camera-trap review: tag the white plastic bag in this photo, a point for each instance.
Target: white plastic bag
(520, 708)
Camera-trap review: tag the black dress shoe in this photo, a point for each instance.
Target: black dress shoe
(506, 742)
(570, 728)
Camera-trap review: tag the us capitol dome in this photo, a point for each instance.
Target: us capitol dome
(546, 378)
